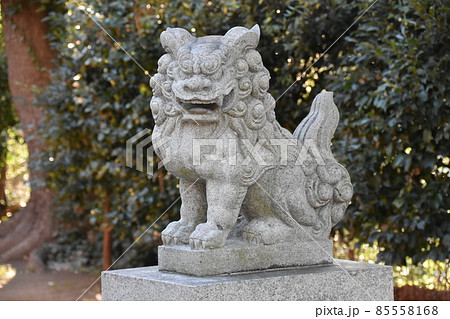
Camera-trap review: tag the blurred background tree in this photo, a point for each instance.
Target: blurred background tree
(29, 59)
(7, 120)
(388, 72)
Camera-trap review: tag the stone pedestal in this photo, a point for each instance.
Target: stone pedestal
(342, 280)
(238, 256)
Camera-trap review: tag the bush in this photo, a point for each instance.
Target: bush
(388, 72)
(392, 87)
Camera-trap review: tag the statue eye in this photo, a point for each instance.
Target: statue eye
(211, 65)
(186, 62)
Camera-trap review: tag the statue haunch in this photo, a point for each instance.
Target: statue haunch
(241, 174)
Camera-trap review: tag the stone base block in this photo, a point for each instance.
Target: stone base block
(238, 257)
(343, 280)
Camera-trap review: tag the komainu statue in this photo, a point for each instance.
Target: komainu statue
(241, 174)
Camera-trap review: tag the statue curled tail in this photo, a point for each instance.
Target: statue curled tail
(328, 187)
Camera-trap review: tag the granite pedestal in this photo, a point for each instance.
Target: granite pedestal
(238, 256)
(342, 280)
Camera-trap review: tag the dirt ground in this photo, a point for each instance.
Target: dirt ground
(47, 285)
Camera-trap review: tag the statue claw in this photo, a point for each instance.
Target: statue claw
(196, 243)
(167, 240)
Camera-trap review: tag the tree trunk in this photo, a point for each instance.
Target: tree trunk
(29, 58)
(3, 203)
(107, 229)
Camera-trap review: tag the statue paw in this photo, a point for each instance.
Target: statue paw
(176, 233)
(207, 236)
(266, 231)
(169, 240)
(252, 238)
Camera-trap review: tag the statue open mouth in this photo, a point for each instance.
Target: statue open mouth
(200, 107)
(199, 110)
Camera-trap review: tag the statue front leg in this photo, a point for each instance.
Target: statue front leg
(192, 213)
(224, 204)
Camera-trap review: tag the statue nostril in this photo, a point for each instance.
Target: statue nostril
(207, 85)
(196, 85)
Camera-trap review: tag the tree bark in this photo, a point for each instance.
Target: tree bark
(3, 203)
(29, 59)
(107, 229)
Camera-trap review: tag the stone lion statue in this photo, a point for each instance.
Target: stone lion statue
(241, 174)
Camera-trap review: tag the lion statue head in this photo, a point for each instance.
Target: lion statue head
(213, 79)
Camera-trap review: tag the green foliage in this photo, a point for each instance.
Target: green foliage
(7, 272)
(99, 99)
(388, 72)
(429, 274)
(7, 115)
(392, 87)
(17, 174)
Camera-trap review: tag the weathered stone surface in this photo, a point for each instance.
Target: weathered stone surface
(238, 257)
(361, 281)
(215, 129)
